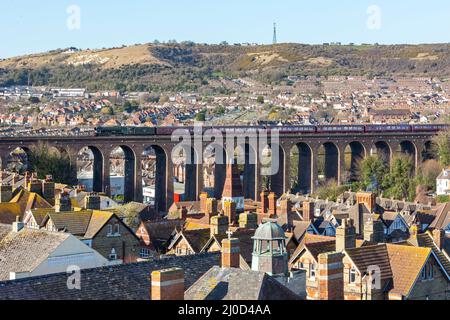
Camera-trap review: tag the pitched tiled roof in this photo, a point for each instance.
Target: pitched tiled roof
(23, 251)
(406, 264)
(364, 257)
(97, 221)
(237, 284)
(5, 229)
(75, 223)
(160, 232)
(121, 282)
(425, 240)
(316, 245)
(197, 239)
(9, 212)
(442, 217)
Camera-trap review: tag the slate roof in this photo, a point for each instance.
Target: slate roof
(84, 224)
(160, 232)
(377, 255)
(4, 230)
(121, 282)
(23, 251)
(237, 284)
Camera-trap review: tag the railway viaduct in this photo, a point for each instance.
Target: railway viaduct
(332, 146)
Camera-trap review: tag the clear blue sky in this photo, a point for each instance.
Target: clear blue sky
(34, 26)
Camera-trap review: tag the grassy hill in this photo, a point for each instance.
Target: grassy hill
(193, 67)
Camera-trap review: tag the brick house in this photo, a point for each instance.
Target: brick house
(345, 268)
(101, 230)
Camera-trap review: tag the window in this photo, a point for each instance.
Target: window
(117, 229)
(113, 254)
(430, 272)
(423, 274)
(145, 253)
(113, 230)
(427, 272)
(312, 271)
(110, 229)
(352, 275)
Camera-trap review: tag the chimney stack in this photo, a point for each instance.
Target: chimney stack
(203, 199)
(374, 231)
(211, 207)
(183, 213)
(230, 212)
(34, 185)
(264, 202)
(345, 235)
(92, 201)
(285, 210)
(5, 193)
(248, 220)
(168, 284)
(272, 204)
(309, 208)
(331, 276)
(17, 225)
(367, 198)
(63, 203)
(48, 189)
(230, 253)
(439, 238)
(26, 180)
(218, 225)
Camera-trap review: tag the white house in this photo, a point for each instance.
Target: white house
(443, 183)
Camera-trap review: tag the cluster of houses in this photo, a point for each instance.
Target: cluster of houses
(293, 247)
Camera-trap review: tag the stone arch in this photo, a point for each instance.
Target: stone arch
(246, 158)
(328, 155)
(354, 152)
(383, 150)
(214, 168)
(89, 161)
(301, 162)
(127, 166)
(272, 168)
(186, 156)
(154, 174)
(428, 151)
